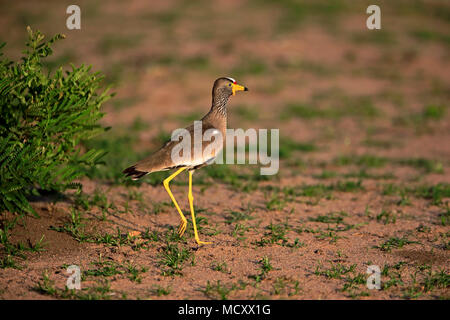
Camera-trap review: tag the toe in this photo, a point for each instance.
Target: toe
(203, 242)
(182, 228)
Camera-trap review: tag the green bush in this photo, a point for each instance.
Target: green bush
(43, 119)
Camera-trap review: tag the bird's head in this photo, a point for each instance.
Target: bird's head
(226, 86)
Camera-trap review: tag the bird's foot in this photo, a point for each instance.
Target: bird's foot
(202, 242)
(182, 228)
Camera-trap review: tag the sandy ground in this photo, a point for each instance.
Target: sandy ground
(271, 239)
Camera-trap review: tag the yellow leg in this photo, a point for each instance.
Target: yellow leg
(191, 204)
(183, 224)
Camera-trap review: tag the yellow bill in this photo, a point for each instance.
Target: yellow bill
(237, 87)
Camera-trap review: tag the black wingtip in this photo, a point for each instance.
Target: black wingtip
(134, 173)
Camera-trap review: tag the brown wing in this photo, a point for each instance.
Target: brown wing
(162, 159)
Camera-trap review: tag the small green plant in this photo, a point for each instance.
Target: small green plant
(10, 250)
(332, 217)
(365, 160)
(386, 217)
(296, 244)
(104, 269)
(440, 279)
(38, 246)
(395, 242)
(276, 234)
(352, 283)
(161, 291)
(109, 268)
(287, 286)
(173, 258)
(134, 273)
(74, 227)
(435, 193)
(329, 235)
(239, 231)
(237, 216)
(46, 286)
(445, 215)
(336, 271)
(348, 186)
(265, 267)
(275, 202)
(404, 199)
(220, 291)
(159, 207)
(427, 165)
(152, 236)
(221, 267)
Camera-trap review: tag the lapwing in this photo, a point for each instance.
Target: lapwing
(214, 121)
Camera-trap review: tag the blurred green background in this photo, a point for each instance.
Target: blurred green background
(341, 94)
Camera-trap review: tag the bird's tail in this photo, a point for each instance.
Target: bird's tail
(134, 173)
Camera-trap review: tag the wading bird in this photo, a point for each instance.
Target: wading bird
(161, 160)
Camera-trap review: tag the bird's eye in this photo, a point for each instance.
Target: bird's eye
(229, 84)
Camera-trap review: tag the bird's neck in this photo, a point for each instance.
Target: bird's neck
(219, 104)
